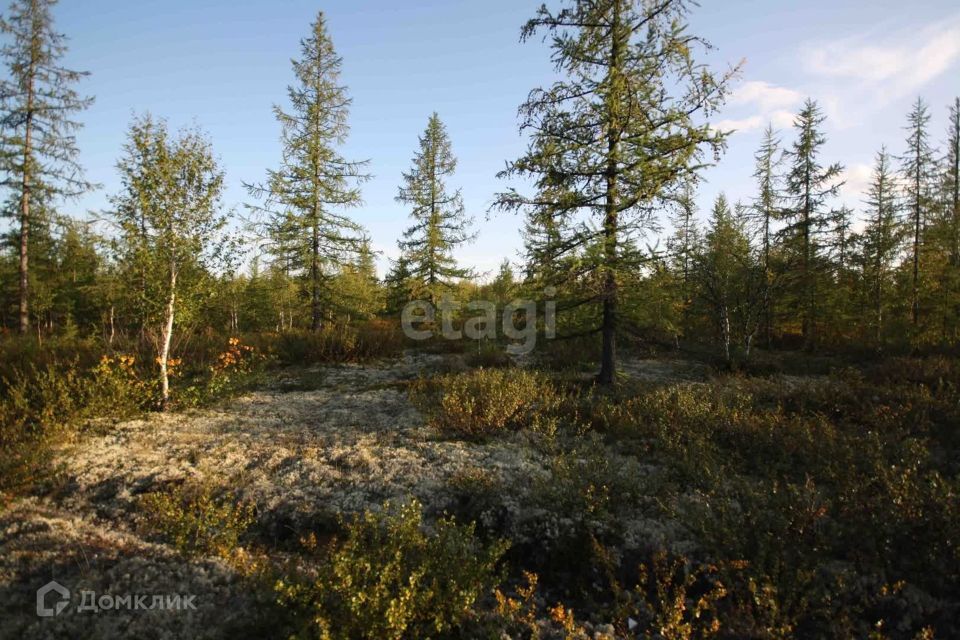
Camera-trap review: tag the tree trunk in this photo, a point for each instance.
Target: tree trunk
(316, 316)
(24, 309)
(166, 339)
(608, 354)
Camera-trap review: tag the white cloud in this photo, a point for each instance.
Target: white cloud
(765, 96)
(780, 119)
(856, 183)
(908, 60)
(764, 102)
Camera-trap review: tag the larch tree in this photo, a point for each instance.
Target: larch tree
(951, 183)
(304, 199)
(808, 186)
(38, 147)
(440, 223)
(918, 167)
(880, 242)
(624, 128)
(171, 225)
(765, 213)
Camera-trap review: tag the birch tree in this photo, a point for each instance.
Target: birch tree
(171, 224)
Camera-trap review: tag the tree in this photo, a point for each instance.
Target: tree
(358, 287)
(168, 213)
(765, 212)
(951, 183)
(622, 129)
(727, 279)
(881, 240)
(440, 223)
(38, 147)
(808, 185)
(918, 167)
(314, 181)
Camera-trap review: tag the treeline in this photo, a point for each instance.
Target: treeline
(616, 148)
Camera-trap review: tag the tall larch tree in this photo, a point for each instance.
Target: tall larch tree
(951, 182)
(881, 241)
(624, 128)
(305, 198)
(440, 223)
(38, 147)
(808, 186)
(918, 166)
(765, 213)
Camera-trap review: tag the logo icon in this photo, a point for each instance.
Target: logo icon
(60, 604)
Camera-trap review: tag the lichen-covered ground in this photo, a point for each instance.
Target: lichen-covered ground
(307, 446)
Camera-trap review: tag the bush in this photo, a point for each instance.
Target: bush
(390, 579)
(196, 521)
(340, 343)
(486, 402)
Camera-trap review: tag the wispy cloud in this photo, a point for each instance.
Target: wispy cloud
(884, 65)
(765, 102)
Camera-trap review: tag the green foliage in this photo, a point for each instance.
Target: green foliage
(339, 343)
(391, 578)
(196, 521)
(830, 493)
(486, 402)
(302, 199)
(440, 224)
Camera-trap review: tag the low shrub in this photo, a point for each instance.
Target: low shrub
(486, 402)
(340, 343)
(390, 578)
(196, 520)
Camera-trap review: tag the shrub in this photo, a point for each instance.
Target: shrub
(340, 343)
(391, 579)
(488, 355)
(486, 402)
(196, 521)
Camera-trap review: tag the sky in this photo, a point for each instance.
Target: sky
(223, 65)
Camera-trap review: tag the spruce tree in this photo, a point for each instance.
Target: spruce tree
(808, 186)
(624, 128)
(440, 224)
(918, 167)
(38, 148)
(304, 198)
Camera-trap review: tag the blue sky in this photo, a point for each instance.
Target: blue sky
(222, 65)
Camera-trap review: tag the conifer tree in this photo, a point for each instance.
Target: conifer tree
(38, 148)
(765, 212)
(623, 129)
(808, 185)
(440, 224)
(918, 167)
(304, 198)
(951, 183)
(881, 241)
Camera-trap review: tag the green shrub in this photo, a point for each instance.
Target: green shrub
(391, 579)
(487, 355)
(340, 343)
(196, 521)
(486, 402)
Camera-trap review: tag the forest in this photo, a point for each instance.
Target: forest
(655, 422)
